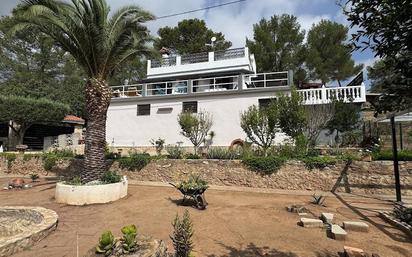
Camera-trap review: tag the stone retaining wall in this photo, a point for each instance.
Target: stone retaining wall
(362, 177)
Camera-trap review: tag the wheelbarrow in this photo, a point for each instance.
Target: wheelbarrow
(197, 195)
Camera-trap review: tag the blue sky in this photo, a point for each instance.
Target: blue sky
(235, 21)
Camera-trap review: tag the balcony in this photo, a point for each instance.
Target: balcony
(237, 59)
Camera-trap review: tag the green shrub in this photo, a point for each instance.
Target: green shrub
(10, 157)
(319, 162)
(266, 165)
(158, 144)
(110, 177)
(136, 161)
(49, 160)
(222, 153)
(193, 183)
(182, 235)
(28, 157)
(174, 152)
(34, 177)
(75, 181)
(403, 155)
(106, 243)
(192, 156)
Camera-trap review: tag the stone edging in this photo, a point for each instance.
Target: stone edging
(29, 237)
(402, 226)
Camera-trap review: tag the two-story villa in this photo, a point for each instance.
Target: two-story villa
(222, 83)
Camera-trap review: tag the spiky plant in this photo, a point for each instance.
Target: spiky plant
(99, 43)
(182, 235)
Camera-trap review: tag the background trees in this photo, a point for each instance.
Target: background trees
(328, 56)
(195, 126)
(278, 45)
(22, 112)
(190, 36)
(386, 28)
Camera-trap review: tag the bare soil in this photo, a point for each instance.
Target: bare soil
(235, 224)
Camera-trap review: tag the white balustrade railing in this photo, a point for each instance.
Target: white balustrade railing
(355, 94)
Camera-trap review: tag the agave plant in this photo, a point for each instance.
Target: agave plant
(106, 243)
(318, 199)
(99, 43)
(129, 243)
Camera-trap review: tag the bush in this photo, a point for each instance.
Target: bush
(135, 161)
(158, 144)
(49, 160)
(222, 153)
(110, 177)
(174, 151)
(403, 155)
(182, 235)
(266, 165)
(318, 162)
(192, 156)
(10, 157)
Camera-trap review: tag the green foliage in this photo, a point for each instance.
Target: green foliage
(389, 38)
(190, 36)
(75, 181)
(403, 155)
(318, 162)
(266, 165)
(174, 151)
(10, 157)
(292, 114)
(222, 153)
(192, 156)
(106, 243)
(261, 125)
(195, 126)
(182, 235)
(278, 45)
(328, 56)
(318, 116)
(34, 177)
(129, 243)
(195, 182)
(110, 177)
(159, 144)
(50, 158)
(352, 138)
(136, 161)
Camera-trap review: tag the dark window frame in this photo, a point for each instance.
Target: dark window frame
(143, 109)
(265, 102)
(190, 106)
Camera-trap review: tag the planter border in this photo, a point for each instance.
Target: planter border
(28, 238)
(401, 225)
(90, 194)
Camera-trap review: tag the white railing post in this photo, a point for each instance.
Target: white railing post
(264, 80)
(178, 60)
(144, 90)
(323, 98)
(149, 64)
(363, 92)
(211, 56)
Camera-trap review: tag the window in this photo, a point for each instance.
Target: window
(265, 102)
(190, 107)
(143, 109)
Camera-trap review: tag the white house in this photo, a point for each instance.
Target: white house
(223, 83)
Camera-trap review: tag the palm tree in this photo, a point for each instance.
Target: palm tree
(99, 43)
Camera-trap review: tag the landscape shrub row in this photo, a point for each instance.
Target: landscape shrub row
(403, 155)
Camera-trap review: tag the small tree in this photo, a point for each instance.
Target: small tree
(292, 115)
(195, 126)
(261, 125)
(182, 235)
(22, 112)
(318, 116)
(346, 117)
(158, 144)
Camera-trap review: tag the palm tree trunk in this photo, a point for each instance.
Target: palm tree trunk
(98, 96)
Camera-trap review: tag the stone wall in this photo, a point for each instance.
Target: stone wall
(361, 177)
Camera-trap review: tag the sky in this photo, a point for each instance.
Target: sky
(235, 21)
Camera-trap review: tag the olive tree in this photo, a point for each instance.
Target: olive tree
(261, 125)
(195, 126)
(22, 112)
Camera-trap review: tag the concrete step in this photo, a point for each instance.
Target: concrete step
(356, 226)
(311, 223)
(338, 233)
(327, 217)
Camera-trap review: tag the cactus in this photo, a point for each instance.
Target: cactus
(318, 199)
(129, 238)
(106, 243)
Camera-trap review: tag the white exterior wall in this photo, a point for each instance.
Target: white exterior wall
(126, 129)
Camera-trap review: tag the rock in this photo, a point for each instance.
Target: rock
(353, 252)
(6, 188)
(167, 165)
(311, 223)
(17, 182)
(26, 186)
(205, 162)
(356, 226)
(327, 217)
(338, 233)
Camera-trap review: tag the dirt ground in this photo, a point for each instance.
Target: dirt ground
(236, 224)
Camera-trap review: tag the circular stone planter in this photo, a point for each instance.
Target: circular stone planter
(22, 226)
(90, 194)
